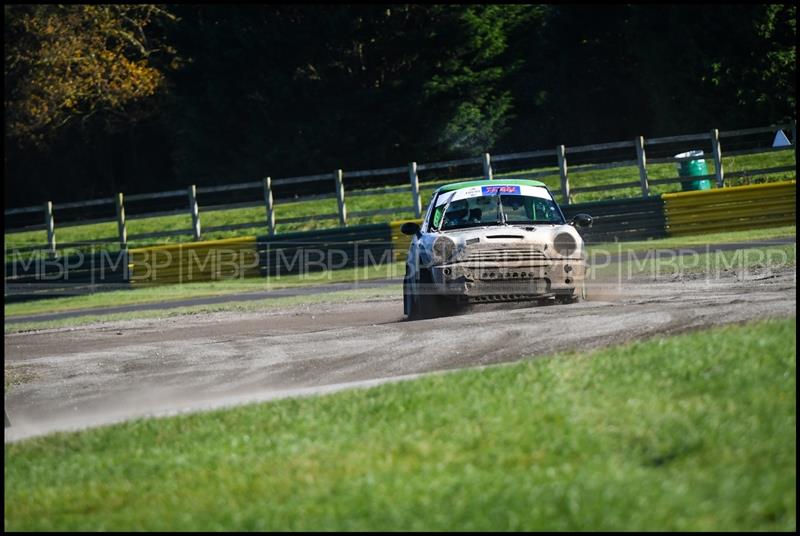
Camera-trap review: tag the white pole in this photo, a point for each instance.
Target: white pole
(415, 198)
(270, 206)
(194, 209)
(642, 160)
(337, 176)
(487, 166)
(562, 170)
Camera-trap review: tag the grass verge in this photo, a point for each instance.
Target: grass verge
(728, 237)
(181, 291)
(690, 432)
(15, 375)
(233, 306)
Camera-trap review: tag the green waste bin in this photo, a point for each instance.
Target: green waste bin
(693, 168)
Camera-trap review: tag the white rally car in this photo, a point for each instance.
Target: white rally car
(490, 241)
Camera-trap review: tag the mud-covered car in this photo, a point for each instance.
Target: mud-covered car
(492, 241)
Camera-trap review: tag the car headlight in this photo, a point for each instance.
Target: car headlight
(565, 244)
(443, 249)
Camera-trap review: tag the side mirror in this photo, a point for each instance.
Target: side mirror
(581, 220)
(410, 228)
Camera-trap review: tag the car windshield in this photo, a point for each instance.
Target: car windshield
(494, 208)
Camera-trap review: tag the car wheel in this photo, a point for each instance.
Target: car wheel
(577, 295)
(414, 305)
(583, 295)
(425, 304)
(410, 299)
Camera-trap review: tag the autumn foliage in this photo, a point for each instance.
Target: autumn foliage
(69, 63)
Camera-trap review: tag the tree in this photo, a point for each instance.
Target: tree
(467, 88)
(65, 63)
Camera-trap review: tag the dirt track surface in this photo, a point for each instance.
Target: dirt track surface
(104, 373)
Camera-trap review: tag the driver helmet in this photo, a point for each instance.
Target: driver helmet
(513, 201)
(458, 209)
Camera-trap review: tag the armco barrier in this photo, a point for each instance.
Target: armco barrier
(42, 275)
(730, 209)
(621, 219)
(328, 249)
(401, 242)
(194, 261)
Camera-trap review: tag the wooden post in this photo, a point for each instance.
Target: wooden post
(194, 209)
(415, 199)
(487, 167)
(717, 150)
(270, 206)
(642, 160)
(562, 170)
(51, 227)
(121, 229)
(337, 176)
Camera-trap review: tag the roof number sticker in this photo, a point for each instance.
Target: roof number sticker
(505, 189)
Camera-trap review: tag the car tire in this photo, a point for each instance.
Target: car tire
(408, 299)
(424, 304)
(579, 294)
(413, 307)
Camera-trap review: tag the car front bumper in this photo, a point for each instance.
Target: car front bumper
(509, 281)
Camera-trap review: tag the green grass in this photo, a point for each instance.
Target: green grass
(727, 237)
(687, 433)
(267, 304)
(579, 179)
(15, 375)
(180, 291)
(402, 201)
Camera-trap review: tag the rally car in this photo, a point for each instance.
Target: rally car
(492, 241)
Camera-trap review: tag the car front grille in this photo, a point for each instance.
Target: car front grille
(504, 256)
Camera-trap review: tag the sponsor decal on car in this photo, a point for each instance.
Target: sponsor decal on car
(504, 189)
(491, 190)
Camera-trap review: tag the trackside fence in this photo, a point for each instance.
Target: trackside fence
(564, 162)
